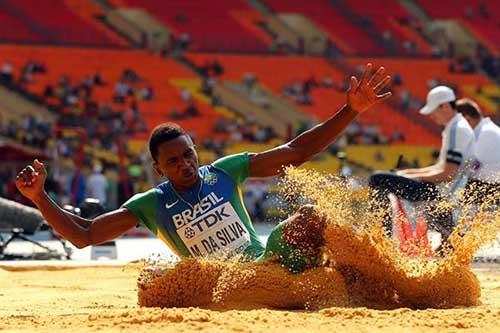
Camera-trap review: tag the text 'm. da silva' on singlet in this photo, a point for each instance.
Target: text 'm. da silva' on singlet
(208, 220)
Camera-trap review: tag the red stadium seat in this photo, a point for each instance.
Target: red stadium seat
(385, 15)
(347, 36)
(52, 21)
(14, 30)
(212, 25)
(485, 27)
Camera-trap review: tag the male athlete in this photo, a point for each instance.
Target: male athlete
(199, 211)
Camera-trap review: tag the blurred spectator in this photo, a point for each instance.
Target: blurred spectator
(182, 42)
(216, 100)
(432, 83)
(98, 79)
(410, 47)
(147, 93)
(97, 185)
(217, 68)
(186, 95)
(207, 85)
(396, 79)
(6, 75)
(77, 185)
(468, 12)
(483, 10)
(404, 99)
(191, 110)
(327, 81)
(48, 91)
(436, 51)
(121, 91)
(396, 136)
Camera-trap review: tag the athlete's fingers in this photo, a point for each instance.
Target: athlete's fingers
(39, 167)
(383, 97)
(20, 179)
(354, 84)
(375, 77)
(381, 85)
(366, 73)
(26, 174)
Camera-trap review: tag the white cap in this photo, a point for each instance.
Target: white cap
(436, 97)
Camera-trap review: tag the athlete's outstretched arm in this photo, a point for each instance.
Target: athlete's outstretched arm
(79, 231)
(360, 97)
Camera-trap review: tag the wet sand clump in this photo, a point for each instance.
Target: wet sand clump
(223, 285)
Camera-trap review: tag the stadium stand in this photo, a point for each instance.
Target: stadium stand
(276, 72)
(214, 34)
(90, 13)
(348, 37)
(14, 30)
(54, 22)
(389, 17)
(481, 17)
(76, 64)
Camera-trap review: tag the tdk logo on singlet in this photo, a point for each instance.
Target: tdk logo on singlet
(212, 225)
(198, 210)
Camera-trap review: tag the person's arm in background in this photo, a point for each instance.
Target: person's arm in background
(417, 171)
(79, 231)
(361, 96)
(437, 174)
(444, 172)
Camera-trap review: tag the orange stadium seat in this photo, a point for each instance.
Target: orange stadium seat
(77, 63)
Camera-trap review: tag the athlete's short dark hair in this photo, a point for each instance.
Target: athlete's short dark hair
(468, 107)
(162, 133)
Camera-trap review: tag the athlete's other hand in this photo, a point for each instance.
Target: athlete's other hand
(363, 94)
(31, 180)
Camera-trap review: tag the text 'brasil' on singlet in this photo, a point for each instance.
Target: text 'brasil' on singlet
(208, 220)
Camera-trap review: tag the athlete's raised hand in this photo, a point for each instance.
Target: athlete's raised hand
(31, 180)
(363, 94)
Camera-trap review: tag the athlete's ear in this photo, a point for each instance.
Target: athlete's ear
(157, 169)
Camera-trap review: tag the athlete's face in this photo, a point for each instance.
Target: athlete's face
(178, 161)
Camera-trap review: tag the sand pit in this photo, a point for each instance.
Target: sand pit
(105, 299)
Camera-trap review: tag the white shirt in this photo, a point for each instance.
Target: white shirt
(457, 142)
(97, 185)
(487, 151)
